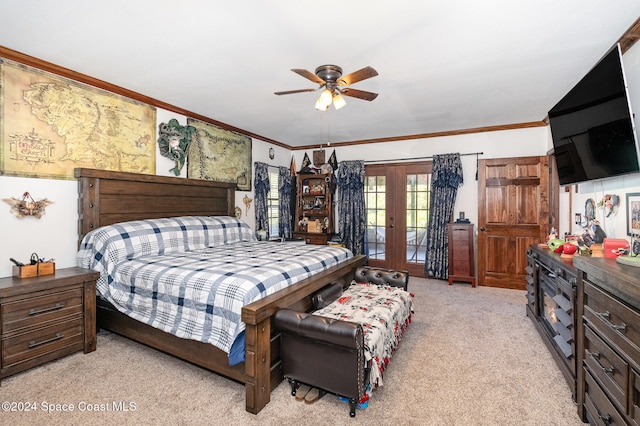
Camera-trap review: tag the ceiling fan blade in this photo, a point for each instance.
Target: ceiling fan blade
(360, 94)
(288, 92)
(354, 77)
(309, 75)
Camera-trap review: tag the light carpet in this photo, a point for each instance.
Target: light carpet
(470, 357)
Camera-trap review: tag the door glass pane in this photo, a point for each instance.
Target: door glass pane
(375, 194)
(417, 217)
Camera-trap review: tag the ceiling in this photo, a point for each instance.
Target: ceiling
(443, 65)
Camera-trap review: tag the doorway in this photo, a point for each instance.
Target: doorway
(515, 209)
(397, 197)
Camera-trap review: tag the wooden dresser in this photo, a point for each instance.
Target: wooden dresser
(461, 253)
(46, 317)
(609, 377)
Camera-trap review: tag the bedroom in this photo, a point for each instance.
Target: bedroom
(54, 242)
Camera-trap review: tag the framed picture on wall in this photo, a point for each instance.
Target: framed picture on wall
(633, 214)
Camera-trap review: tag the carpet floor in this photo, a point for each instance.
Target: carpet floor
(470, 357)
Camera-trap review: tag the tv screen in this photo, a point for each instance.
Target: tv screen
(592, 127)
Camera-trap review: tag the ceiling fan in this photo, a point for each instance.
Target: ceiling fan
(330, 77)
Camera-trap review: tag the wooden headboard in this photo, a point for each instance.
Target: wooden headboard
(107, 197)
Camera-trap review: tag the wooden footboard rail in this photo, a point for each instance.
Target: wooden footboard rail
(262, 357)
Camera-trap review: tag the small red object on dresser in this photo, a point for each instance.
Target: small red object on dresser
(614, 247)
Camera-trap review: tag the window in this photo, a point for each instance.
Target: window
(273, 203)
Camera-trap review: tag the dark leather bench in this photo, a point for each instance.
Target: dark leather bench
(327, 353)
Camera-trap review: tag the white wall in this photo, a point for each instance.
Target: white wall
(574, 201)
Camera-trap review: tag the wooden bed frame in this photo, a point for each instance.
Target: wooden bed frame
(107, 197)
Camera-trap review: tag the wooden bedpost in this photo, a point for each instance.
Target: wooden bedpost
(257, 366)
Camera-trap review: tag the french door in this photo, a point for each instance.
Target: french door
(397, 197)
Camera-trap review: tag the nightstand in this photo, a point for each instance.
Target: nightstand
(46, 317)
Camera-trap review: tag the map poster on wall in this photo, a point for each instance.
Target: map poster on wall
(50, 125)
(220, 155)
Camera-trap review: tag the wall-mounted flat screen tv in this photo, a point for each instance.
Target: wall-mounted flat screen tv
(592, 126)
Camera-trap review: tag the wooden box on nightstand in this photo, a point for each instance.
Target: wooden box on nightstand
(46, 317)
(462, 266)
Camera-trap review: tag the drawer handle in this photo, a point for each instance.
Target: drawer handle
(596, 358)
(606, 316)
(606, 418)
(33, 343)
(42, 311)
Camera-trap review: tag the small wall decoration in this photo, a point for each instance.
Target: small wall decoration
(610, 204)
(633, 214)
(237, 212)
(247, 203)
(174, 141)
(590, 209)
(318, 157)
(27, 206)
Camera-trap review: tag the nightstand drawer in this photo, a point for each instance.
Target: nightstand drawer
(43, 341)
(40, 309)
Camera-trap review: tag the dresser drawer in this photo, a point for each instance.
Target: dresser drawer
(460, 234)
(599, 410)
(43, 341)
(635, 398)
(37, 310)
(613, 320)
(607, 367)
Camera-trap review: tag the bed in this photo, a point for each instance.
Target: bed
(108, 198)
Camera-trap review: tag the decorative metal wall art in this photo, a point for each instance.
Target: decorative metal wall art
(174, 141)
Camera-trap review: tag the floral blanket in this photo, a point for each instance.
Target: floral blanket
(384, 313)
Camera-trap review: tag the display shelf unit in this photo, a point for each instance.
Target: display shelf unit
(314, 208)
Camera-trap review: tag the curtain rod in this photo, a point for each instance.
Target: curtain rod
(417, 158)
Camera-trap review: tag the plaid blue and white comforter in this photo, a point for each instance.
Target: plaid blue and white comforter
(191, 276)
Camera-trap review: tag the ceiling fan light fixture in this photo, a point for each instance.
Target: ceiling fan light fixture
(320, 105)
(338, 101)
(326, 96)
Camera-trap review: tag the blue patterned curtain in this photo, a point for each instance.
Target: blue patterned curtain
(351, 205)
(446, 177)
(261, 186)
(285, 191)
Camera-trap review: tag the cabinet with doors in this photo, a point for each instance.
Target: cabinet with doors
(314, 208)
